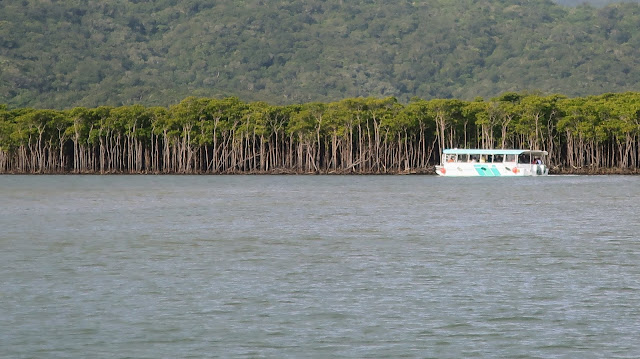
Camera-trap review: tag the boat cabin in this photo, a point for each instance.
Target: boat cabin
(492, 162)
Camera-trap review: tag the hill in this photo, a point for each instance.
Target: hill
(82, 53)
(598, 3)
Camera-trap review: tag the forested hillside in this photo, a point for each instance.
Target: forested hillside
(62, 54)
(599, 3)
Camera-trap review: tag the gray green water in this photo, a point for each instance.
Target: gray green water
(319, 267)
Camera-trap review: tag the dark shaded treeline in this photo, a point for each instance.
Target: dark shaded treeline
(355, 135)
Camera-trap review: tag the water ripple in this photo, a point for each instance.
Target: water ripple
(319, 266)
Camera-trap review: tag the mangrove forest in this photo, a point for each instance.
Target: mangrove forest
(595, 134)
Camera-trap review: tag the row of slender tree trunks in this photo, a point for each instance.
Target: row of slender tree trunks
(243, 155)
(255, 155)
(360, 136)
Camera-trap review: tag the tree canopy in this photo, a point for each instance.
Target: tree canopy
(79, 53)
(354, 135)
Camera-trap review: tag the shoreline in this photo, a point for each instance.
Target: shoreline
(430, 171)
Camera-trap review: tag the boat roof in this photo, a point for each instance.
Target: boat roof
(462, 151)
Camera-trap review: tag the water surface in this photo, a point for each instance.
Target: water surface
(319, 266)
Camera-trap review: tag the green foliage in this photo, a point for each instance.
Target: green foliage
(365, 135)
(597, 3)
(155, 53)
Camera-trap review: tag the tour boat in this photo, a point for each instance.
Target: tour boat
(459, 162)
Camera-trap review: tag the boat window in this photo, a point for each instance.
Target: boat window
(524, 159)
(463, 158)
(450, 158)
(484, 158)
(498, 158)
(509, 158)
(474, 158)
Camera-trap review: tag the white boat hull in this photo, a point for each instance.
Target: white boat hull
(491, 170)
